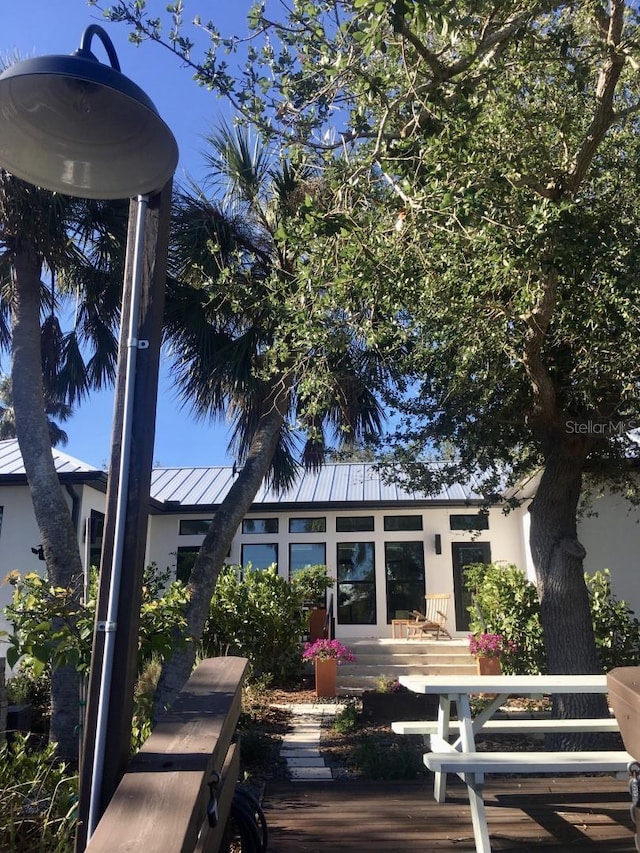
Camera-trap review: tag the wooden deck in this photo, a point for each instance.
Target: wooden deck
(568, 814)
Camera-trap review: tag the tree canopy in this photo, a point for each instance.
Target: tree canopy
(483, 163)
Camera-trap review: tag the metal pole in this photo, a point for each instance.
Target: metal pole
(109, 625)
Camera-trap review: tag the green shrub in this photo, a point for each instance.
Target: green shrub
(616, 629)
(258, 617)
(38, 800)
(507, 603)
(26, 688)
(312, 584)
(346, 720)
(52, 628)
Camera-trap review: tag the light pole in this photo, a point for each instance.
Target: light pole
(73, 125)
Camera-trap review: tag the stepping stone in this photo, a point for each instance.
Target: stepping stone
(311, 774)
(298, 752)
(305, 762)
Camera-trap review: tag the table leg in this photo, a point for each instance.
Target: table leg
(444, 717)
(467, 741)
(478, 815)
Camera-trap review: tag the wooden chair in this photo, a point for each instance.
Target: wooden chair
(434, 619)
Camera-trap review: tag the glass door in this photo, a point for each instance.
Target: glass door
(464, 554)
(356, 583)
(404, 568)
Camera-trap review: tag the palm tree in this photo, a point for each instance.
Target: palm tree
(53, 409)
(42, 231)
(243, 329)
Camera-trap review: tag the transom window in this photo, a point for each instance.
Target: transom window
(354, 523)
(479, 521)
(403, 522)
(260, 525)
(194, 526)
(307, 525)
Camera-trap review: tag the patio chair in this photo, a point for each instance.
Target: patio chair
(434, 619)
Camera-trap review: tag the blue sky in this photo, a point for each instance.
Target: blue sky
(37, 27)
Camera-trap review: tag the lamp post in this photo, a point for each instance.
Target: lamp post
(76, 126)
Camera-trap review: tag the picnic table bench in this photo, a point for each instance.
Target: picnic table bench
(461, 756)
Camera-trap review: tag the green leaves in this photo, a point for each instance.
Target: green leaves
(258, 617)
(51, 628)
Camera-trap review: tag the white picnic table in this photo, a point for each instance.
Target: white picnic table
(460, 755)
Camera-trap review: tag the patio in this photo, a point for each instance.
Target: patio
(575, 813)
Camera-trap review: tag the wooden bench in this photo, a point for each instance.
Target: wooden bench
(160, 805)
(513, 726)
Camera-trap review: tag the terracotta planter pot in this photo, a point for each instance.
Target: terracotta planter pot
(488, 666)
(326, 677)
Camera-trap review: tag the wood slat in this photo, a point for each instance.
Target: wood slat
(161, 801)
(589, 813)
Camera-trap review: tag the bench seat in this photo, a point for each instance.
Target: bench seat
(530, 762)
(428, 727)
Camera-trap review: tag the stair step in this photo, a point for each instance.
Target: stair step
(390, 659)
(404, 659)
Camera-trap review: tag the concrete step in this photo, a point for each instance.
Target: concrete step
(386, 646)
(396, 670)
(390, 659)
(412, 659)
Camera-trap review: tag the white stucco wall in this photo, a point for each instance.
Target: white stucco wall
(19, 533)
(504, 535)
(612, 541)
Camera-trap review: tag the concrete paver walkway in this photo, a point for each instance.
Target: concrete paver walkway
(301, 746)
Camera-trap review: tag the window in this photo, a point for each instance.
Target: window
(356, 583)
(302, 555)
(403, 522)
(479, 521)
(404, 567)
(260, 525)
(96, 527)
(354, 524)
(260, 556)
(186, 557)
(194, 526)
(307, 525)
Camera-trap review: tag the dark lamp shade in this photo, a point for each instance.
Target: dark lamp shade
(78, 127)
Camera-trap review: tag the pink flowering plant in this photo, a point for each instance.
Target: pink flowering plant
(490, 645)
(326, 650)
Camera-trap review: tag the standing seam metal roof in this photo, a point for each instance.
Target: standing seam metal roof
(11, 463)
(339, 483)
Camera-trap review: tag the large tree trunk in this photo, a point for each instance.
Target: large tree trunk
(216, 544)
(558, 558)
(58, 536)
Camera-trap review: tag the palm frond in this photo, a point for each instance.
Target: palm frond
(239, 159)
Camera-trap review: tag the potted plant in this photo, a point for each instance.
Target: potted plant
(488, 650)
(312, 583)
(326, 656)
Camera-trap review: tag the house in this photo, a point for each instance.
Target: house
(384, 546)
